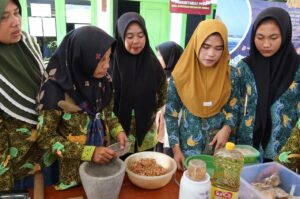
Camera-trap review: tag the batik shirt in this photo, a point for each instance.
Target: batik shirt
(193, 133)
(20, 155)
(65, 134)
(150, 139)
(19, 152)
(292, 150)
(284, 112)
(73, 127)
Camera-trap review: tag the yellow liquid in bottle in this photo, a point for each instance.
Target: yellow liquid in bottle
(226, 179)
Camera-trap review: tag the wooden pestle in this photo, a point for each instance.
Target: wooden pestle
(38, 189)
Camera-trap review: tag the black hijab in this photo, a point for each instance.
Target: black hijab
(136, 79)
(273, 75)
(170, 51)
(70, 70)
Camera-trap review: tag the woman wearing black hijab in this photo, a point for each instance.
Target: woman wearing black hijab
(270, 87)
(139, 82)
(75, 103)
(168, 55)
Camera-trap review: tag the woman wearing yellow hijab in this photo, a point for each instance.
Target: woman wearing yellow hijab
(203, 87)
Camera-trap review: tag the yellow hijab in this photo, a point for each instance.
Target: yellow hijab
(204, 91)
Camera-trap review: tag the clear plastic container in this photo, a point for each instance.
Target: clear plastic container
(197, 170)
(116, 147)
(208, 159)
(247, 191)
(228, 166)
(289, 180)
(250, 154)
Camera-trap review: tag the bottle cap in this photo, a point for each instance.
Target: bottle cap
(229, 146)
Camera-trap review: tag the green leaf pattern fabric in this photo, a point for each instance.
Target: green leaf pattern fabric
(284, 112)
(193, 133)
(293, 146)
(17, 150)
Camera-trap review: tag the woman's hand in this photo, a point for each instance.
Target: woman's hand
(122, 138)
(178, 157)
(103, 155)
(157, 118)
(221, 138)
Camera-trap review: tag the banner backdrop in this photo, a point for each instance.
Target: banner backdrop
(200, 7)
(239, 16)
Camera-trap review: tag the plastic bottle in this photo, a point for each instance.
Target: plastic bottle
(225, 183)
(196, 170)
(195, 182)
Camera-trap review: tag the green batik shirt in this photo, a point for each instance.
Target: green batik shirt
(67, 132)
(193, 133)
(284, 112)
(19, 153)
(292, 150)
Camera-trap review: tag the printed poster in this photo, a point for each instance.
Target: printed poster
(239, 16)
(201, 7)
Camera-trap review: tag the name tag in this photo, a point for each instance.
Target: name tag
(207, 103)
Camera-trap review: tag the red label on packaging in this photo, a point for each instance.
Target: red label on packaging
(221, 194)
(218, 193)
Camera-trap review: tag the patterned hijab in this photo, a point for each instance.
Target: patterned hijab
(196, 84)
(21, 70)
(170, 52)
(70, 71)
(136, 79)
(273, 75)
(69, 84)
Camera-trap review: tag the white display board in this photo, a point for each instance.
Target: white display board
(49, 27)
(36, 26)
(40, 10)
(42, 27)
(78, 13)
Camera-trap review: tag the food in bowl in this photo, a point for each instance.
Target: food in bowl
(151, 182)
(147, 167)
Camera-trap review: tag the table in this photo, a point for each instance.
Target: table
(128, 191)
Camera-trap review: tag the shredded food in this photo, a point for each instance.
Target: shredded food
(245, 151)
(147, 167)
